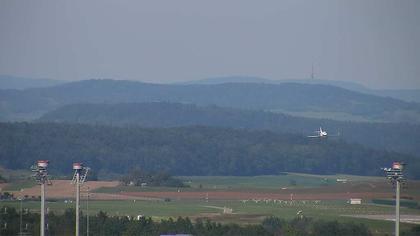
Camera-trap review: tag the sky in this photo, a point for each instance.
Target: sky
(372, 42)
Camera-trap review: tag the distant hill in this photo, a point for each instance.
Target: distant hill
(392, 137)
(323, 100)
(14, 82)
(409, 95)
(186, 151)
(231, 79)
(253, 79)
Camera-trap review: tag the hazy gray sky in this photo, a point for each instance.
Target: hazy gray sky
(374, 42)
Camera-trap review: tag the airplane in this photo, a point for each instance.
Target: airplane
(321, 134)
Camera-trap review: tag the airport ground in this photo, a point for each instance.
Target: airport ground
(239, 199)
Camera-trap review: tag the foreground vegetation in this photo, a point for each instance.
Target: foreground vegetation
(103, 224)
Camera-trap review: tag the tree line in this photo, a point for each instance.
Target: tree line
(399, 137)
(103, 224)
(187, 151)
(138, 177)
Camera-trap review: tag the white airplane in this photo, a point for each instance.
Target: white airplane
(320, 134)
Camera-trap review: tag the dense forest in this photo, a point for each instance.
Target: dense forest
(103, 225)
(187, 151)
(382, 136)
(30, 103)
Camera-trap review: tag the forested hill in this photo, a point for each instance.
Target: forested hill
(410, 95)
(186, 151)
(383, 136)
(287, 96)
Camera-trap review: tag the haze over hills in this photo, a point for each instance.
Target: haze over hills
(14, 82)
(409, 95)
(329, 101)
(186, 151)
(254, 79)
(381, 136)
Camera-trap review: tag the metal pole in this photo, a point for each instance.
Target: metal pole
(20, 224)
(77, 202)
(42, 223)
(397, 209)
(87, 213)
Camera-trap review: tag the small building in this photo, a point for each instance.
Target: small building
(227, 210)
(355, 201)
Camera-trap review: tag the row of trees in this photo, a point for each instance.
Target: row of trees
(103, 225)
(138, 177)
(186, 151)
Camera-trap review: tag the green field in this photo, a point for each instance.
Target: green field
(288, 180)
(249, 212)
(19, 184)
(257, 183)
(14, 174)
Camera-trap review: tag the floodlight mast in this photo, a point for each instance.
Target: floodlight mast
(395, 176)
(41, 176)
(79, 178)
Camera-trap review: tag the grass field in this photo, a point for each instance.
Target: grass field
(15, 174)
(288, 180)
(18, 185)
(258, 183)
